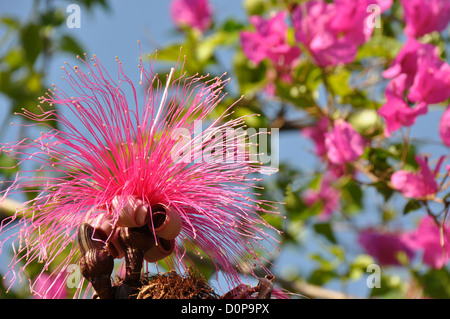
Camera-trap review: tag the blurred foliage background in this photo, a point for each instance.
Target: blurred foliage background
(331, 259)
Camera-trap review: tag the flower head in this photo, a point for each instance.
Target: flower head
(432, 81)
(116, 161)
(385, 246)
(351, 19)
(343, 143)
(192, 13)
(425, 16)
(317, 133)
(312, 28)
(433, 239)
(407, 60)
(417, 184)
(327, 195)
(269, 41)
(332, 32)
(444, 127)
(396, 111)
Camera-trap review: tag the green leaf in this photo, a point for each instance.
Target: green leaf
(11, 22)
(171, 52)
(70, 45)
(358, 266)
(339, 82)
(254, 7)
(232, 25)
(412, 205)
(206, 47)
(89, 4)
(297, 94)
(379, 46)
(384, 190)
(293, 201)
(251, 77)
(435, 283)
(8, 165)
(365, 121)
(15, 58)
(53, 18)
(325, 230)
(320, 276)
(397, 151)
(324, 263)
(31, 42)
(391, 287)
(352, 196)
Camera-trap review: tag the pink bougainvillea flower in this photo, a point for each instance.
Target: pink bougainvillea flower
(425, 16)
(444, 127)
(419, 184)
(195, 14)
(385, 246)
(384, 4)
(432, 81)
(343, 143)
(396, 111)
(269, 41)
(317, 134)
(312, 28)
(116, 157)
(332, 32)
(351, 19)
(426, 76)
(407, 60)
(327, 195)
(47, 287)
(418, 73)
(434, 240)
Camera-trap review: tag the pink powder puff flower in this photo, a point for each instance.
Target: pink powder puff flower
(434, 240)
(269, 41)
(115, 159)
(432, 81)
(425, 16)
(343, 143)
(317, 133)
(419, 184)
(385, 246)
(195, 14)
(444, 127)
(327, 195)
(47, 287)
(396, 111)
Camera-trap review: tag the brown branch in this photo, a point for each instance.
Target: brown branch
(317, 292)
